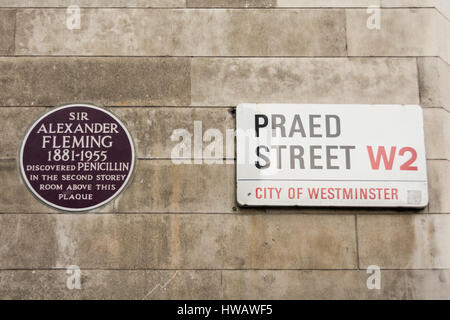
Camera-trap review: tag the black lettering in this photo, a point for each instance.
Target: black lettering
(313, 125)
(263, 157)
(259, 125)
(278, 121)
(314, 157)
(328, 117)
(297, 156)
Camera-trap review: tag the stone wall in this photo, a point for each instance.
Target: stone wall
(160, 65)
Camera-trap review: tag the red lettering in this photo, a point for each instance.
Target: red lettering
(258, 196)
(395, 194)
(407, 164)
(347, 194)
(381, 153)
(313, 193)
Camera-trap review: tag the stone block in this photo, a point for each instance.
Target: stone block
(7, 29)
(402, 32)
(166, 32)
(434, 82)
(49, 81)
(152, 130)
(178, 241)
(438, 186)
(228, 82)
(111, 284)
(404, 241)
(437, 133)
(94, 3)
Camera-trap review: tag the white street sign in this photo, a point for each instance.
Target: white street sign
(331, 155)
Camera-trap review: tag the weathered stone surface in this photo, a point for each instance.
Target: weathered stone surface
(183, 32)
(235, 284)
(410, 284)
(434, 82)
(183, 241)
(408, 3)
(111, 284)
(182, 284)
(28, 242)
(7, 29)
(404, 241)
(413, 284)
(443, 6)
(231, 3)
(93, 3)
(290, 242)
(338, 284)
(14, 122)
(438, 186)
(289, 284)
(403, 32)
(162, 186)
(103, 81)
(443, 34)
(15, 197)
(228, 82)
(327, 3)
(152, 129)
(437, 133)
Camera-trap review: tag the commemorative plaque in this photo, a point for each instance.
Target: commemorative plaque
(77, 157)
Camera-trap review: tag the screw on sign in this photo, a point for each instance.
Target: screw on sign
(77, 157)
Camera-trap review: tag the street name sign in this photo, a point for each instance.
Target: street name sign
(331, 155)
